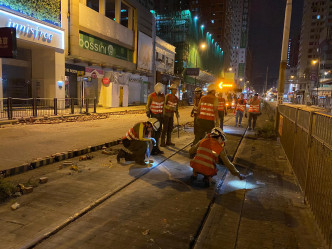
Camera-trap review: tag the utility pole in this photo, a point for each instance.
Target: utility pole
(283, 61)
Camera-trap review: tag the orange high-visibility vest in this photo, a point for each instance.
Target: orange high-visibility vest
(172, 102)
(207, 107)
(254, 106)
(241, 105)
(157, 103)
(221, 104)
(206, 157)
(132, 134)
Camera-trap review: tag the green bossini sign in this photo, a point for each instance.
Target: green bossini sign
(98, 45)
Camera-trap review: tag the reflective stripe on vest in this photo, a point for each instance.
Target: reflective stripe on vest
(131, 134)
(254, 107)
(172, 101)
(221, 104)
(205, 159)
(207, 108)
(157, 103)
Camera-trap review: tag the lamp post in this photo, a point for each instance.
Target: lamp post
(314, 62)
(202, 46)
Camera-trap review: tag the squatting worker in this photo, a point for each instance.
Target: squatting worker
(254, 111)
(139, 142)
(154, 109)
(207, 113)
(170, 107)
(194, 112)
(240, 109)
(207, 154)
(221, 109)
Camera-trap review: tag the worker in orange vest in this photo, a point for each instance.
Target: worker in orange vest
(240, 109)
(221, 109)
(207, 153)
(139, 142)
(170, 107)
(254, 111)
(194, 112)
(154, 109)
(207, 113)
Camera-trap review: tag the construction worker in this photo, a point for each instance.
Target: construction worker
(207, 153)
(207, 113)
(139, 142)
(221, 109)
(254, 111)
(170, 107)
(198, 95)
(154, 109)
(240, 109)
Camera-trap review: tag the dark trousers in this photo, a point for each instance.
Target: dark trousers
(167, 128)
(137, 148)
(253, 117)
(221, 117)
(204, 127)
(156, 134)
(238, 117)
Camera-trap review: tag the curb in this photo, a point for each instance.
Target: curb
(39, 162)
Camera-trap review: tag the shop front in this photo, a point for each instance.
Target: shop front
(38, 69)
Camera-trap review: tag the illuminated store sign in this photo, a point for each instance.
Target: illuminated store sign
(32, 31)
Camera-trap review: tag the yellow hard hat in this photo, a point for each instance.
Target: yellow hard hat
(211, 87)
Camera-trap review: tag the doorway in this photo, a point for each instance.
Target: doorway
(121, 96)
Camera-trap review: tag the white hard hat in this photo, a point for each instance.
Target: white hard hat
(218, 132)
(198, 89)
(155, 123)
(173, 86)
(211, 87)
(158, 88)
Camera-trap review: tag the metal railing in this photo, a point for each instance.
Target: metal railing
(306, 137)
(15, 108)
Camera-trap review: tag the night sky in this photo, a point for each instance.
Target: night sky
(265, 37)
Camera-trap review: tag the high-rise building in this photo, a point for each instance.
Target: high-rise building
(236, 38)
(313, 22)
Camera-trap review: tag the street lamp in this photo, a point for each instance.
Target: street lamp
(202, 46)
(314, 62)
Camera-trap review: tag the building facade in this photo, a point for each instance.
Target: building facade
(38, 69)
(109, 51)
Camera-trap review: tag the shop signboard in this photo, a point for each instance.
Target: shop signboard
(7, 42)
(192, 71)
(33, 31)
(95, 44)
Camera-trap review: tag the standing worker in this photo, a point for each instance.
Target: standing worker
(254, 111)
(221, 109)
(207, 113)
(207, 153)
(194, 112)
(139, 141)
(240, 108)
(154, 109)
(170, 107)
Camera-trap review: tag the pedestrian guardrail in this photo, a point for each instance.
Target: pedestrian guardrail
(15, 108)
(306, 137)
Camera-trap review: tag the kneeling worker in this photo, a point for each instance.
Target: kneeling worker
(208, 151)
(139, 141)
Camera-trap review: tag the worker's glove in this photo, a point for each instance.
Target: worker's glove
(245, 115)
(153, 141)
(259, 114)
(148, 114)
(191, 114)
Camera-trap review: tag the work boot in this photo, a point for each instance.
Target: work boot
(159, 152)
(121, 154)
(140, 162)
(162, 144)
(207, 181)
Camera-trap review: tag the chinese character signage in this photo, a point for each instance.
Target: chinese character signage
(7, 42)
(244, 27)
(192, 71)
